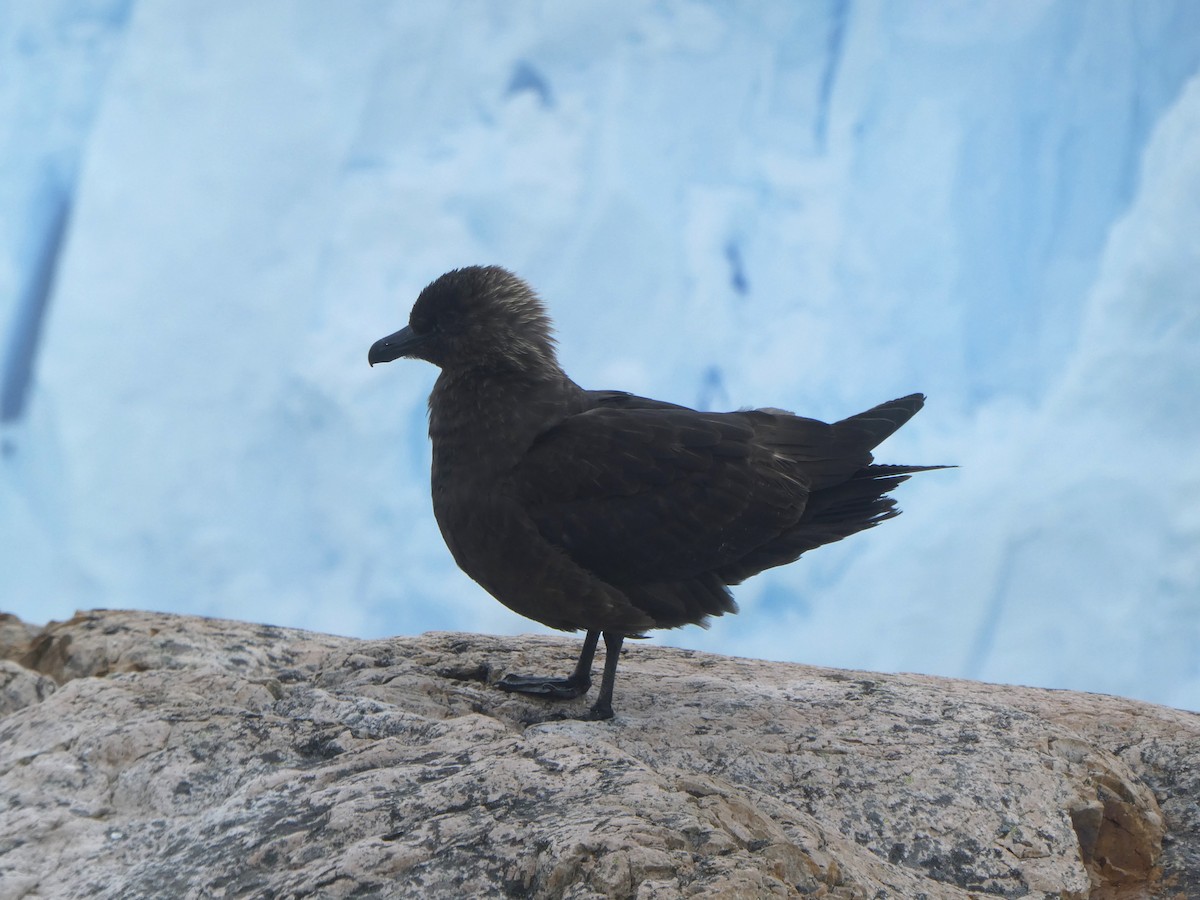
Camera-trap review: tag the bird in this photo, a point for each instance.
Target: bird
(605, 512)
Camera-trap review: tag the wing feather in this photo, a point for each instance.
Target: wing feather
(658, 494)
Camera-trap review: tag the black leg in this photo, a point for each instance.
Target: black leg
(574, 685)
(602, 708)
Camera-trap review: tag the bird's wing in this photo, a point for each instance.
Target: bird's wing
(659, 493)
(626, 400)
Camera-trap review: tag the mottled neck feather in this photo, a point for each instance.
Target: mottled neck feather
(529, 342)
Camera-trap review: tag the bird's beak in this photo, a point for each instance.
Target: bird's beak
(402, 343)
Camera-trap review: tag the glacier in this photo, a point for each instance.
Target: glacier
(208, 212)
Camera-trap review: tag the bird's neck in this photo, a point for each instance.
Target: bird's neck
(483, 422)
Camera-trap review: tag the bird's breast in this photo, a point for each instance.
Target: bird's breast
(481, 427)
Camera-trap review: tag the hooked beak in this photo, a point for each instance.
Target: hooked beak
(402, 343)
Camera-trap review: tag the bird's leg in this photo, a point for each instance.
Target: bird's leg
(574, 685)
(602, 708)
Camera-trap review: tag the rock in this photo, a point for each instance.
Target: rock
(15, 636)
(186, 757)
(20, 687)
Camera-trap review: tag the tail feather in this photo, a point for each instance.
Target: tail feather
(879, 469)
(848, 492)
(832, 454)
(830, 515)
(882, 421)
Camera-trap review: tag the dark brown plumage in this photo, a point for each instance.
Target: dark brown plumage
(608, 512)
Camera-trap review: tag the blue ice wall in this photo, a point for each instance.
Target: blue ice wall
(209, 211)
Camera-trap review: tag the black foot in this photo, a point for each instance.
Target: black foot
(543, 686)
(598, 713)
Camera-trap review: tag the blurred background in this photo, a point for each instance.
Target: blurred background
(209, 211)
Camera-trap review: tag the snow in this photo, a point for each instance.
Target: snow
(815, 206)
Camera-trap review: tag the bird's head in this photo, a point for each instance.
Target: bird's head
(476, 317)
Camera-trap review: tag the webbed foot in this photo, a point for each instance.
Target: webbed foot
(545, 686)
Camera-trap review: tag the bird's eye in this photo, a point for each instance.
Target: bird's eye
(424, 326)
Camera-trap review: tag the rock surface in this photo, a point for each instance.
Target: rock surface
(146, 755)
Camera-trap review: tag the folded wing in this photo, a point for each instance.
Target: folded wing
(659, 494)
(671, 505)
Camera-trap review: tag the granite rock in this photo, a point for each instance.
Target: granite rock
(146, 755)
